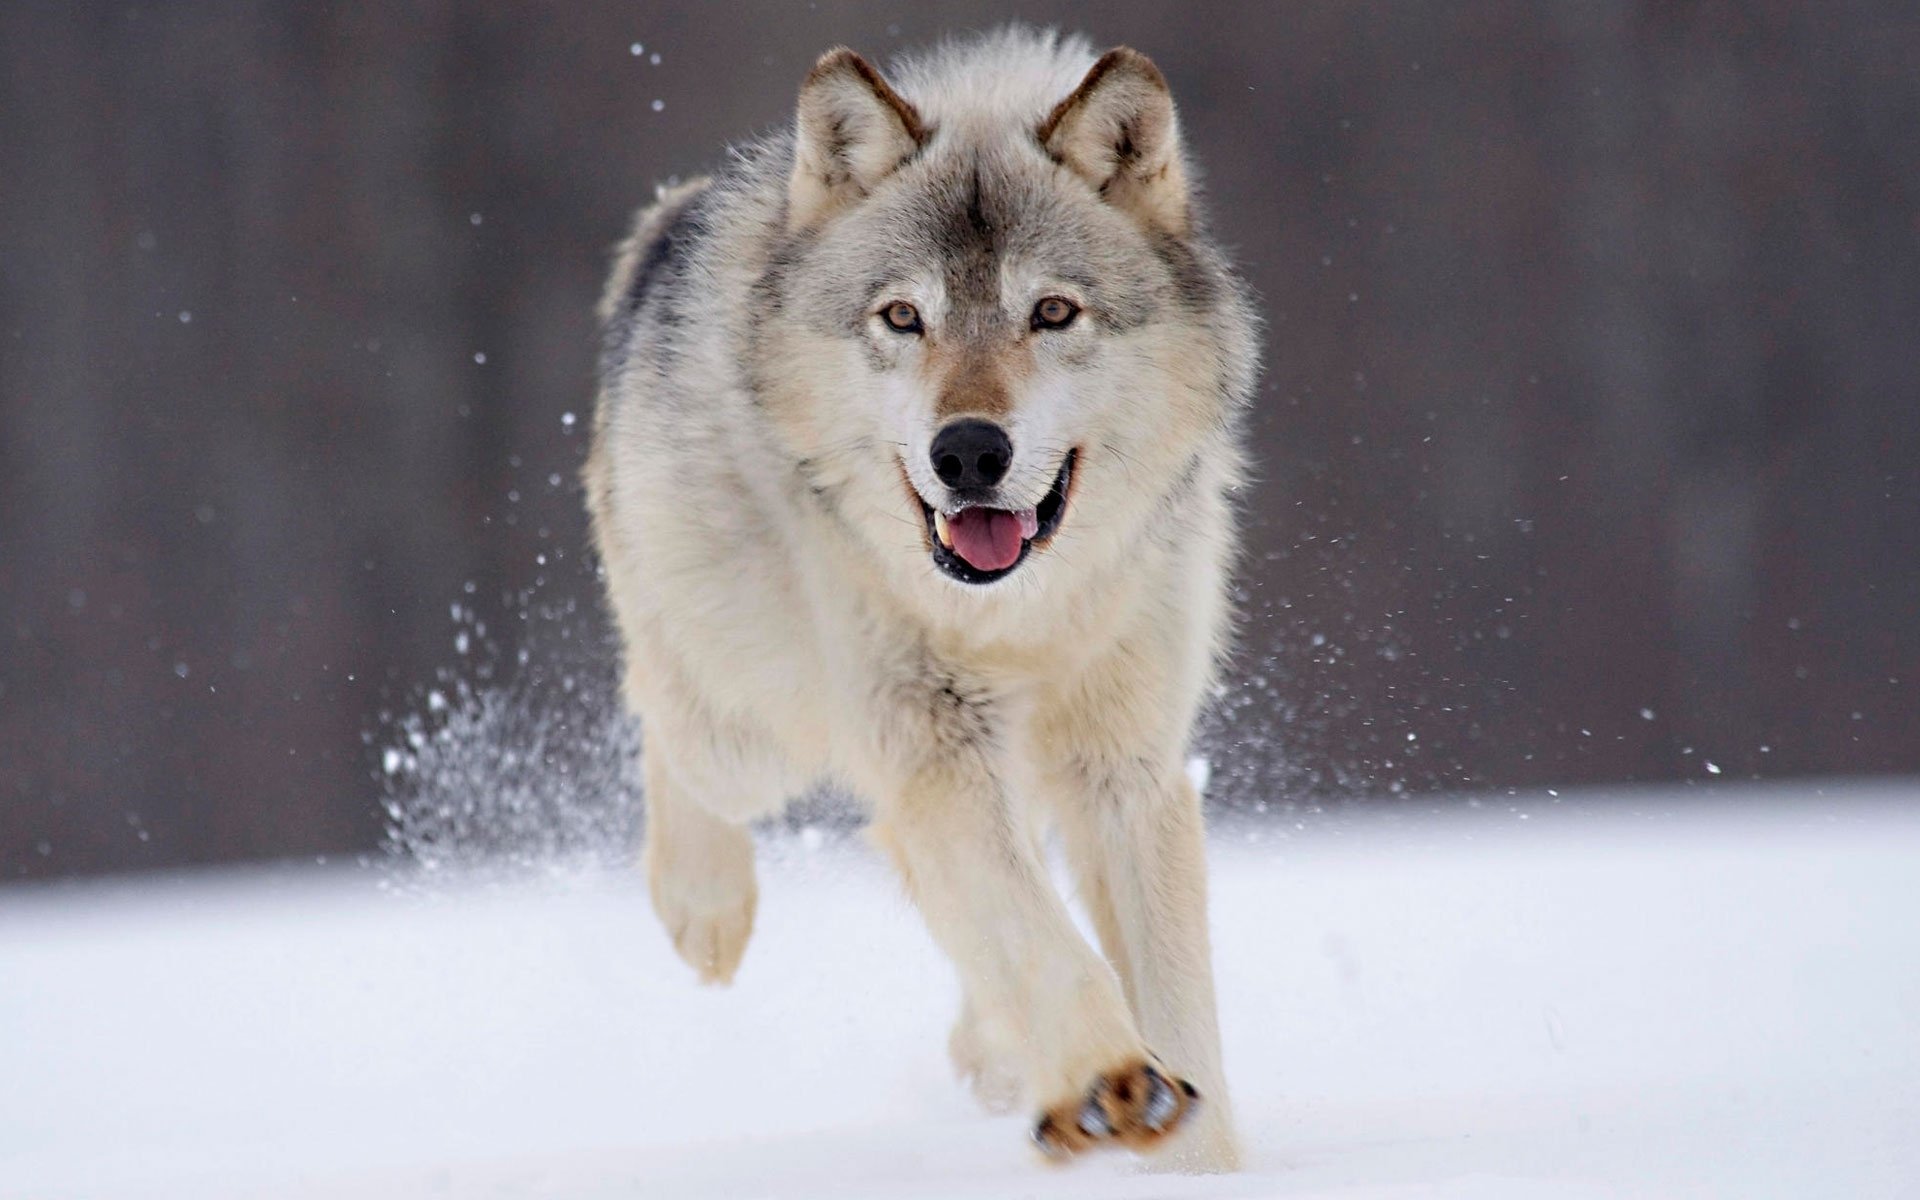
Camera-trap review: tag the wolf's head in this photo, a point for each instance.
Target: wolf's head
(990, 329)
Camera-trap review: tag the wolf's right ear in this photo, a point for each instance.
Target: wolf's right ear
(852, 131)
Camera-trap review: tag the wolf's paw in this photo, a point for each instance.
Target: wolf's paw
(712, 943)
(1135, 1106)
(982, 1066)
(707, 903)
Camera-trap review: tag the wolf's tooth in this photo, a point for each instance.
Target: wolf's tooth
(940, 528)
(1029, 522)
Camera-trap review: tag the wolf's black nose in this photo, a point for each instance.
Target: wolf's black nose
(971, 454)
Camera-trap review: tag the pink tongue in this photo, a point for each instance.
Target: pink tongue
(987, 538)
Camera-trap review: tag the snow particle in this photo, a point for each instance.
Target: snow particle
(657, 105)
(186, 317)
(475, 219)
(1199, 773)
(1646, 714)
(480, 358)
(1713, 768)
(636, 49)
(566, 420)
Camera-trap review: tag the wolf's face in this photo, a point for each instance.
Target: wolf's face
(989, 333)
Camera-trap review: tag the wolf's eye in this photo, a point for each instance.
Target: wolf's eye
(902, 317)
(1055, 312)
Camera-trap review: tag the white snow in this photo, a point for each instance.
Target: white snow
(1635, 995)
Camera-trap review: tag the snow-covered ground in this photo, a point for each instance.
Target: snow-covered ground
(1641, 995)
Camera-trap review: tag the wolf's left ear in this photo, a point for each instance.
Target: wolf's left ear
(1118, 132)
(852, 131)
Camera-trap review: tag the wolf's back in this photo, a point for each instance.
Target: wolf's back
(647, 248)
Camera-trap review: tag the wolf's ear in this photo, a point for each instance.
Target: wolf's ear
(1118, 132)
(852, 131)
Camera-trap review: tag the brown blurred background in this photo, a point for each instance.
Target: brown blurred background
(1590, 440)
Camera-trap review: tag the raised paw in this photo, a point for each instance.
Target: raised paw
(704, 893)
(1135, 1106)
(712, 943)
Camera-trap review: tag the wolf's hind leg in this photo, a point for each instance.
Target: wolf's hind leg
(700, 874)
(984, 1060)
(984, 1052)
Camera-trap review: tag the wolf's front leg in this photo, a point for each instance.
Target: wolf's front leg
(987, 900)
(699, 873)
(1137, 846)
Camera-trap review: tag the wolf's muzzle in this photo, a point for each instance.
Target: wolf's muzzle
(980, 544)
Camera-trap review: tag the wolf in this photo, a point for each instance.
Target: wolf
(913, 472)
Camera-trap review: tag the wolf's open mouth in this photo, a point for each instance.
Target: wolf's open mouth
(978, 544)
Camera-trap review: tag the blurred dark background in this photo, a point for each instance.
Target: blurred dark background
(1590, 441)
